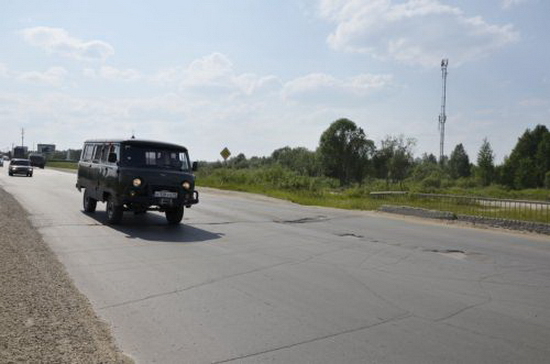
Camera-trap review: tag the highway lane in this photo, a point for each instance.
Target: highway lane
(249, 279)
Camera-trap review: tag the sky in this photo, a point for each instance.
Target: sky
(258, 75)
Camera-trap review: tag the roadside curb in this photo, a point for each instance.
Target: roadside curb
(535, 227)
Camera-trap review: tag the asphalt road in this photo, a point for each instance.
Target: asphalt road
(248, 279)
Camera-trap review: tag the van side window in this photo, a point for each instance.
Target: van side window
(112, 148)
(97, 153)
(88, 151)
(105, 153)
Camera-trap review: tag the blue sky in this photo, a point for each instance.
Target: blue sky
(255, 75)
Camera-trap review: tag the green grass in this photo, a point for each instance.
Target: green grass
(62, 164)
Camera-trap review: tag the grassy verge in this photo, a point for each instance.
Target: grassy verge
(62, 164)
(283, 184)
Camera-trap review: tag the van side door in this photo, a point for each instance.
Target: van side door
(84, 177)
(109, 169)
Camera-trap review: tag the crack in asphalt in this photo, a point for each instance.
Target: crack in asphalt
(319, 338)
(179, 290)
(489, 300)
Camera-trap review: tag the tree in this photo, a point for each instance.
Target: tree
(485, 163)
(299, 159)
(425, 166)
(345, 151)
(394, 158)
(533, 146)
(459, 163)
(238, 162)
(524, 176)
(542, 159)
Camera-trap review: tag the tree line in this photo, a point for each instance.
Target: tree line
(346, 155)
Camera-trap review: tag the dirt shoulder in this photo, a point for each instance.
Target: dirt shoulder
(43, 317)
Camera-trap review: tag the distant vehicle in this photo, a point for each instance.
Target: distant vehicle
(20, 166)
(19, 152)
(136, 175)
(37, 160)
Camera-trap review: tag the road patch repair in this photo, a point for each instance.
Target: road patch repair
(43, 316)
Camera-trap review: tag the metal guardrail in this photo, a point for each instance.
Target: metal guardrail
(519, 210)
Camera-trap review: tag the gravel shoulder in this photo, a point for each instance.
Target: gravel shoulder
(43, 316)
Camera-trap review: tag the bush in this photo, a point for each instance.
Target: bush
(467, 183)
(431, 182)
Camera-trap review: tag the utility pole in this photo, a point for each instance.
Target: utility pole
(22, 137)
(443, 116)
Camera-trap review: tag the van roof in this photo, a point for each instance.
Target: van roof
(138, 142)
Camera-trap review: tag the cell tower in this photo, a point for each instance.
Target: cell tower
(443, 116)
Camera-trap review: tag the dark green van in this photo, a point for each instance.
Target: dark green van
(136, 175)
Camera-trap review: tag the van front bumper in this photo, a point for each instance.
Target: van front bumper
(139, 202)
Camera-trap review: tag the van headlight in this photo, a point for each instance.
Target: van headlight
(186, 185)
(136, 182)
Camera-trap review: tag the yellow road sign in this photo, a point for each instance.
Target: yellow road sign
(225, 153)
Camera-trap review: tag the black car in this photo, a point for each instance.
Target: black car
(136, 175)
(20, 166)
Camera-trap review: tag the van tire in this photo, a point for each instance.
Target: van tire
(174, 216)
(114, 212)
(89, 203)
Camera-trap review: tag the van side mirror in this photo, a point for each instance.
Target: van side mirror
(195, 166)
(112, 158)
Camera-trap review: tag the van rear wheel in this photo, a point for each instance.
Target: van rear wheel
(114, 212)
(88, 202)
(174, 216)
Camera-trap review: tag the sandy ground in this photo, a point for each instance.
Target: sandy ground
(43, 317)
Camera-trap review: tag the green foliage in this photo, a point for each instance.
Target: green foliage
(459, 163)
(529, 161)
(525, 176)
(346, 167)
(271, 177)
(394, 158)
(345, 151)
(299, 160)
(485, 163)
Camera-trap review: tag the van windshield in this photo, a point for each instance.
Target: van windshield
(156, 158)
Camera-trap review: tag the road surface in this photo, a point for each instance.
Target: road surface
(249, 279)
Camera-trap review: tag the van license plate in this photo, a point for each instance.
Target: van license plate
(165, 194)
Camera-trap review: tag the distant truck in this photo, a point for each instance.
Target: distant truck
(37, 160)
(19, 152)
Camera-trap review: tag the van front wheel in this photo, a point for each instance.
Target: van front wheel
(88, 202)
(174, 216)
(114, 212)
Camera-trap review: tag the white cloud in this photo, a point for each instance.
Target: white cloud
(416, 32)
(215, 73)
(215, 69)
(508, 4)
(58, 41)
(327, 89)
(4, 72)
(54, 76)
(113, 73)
